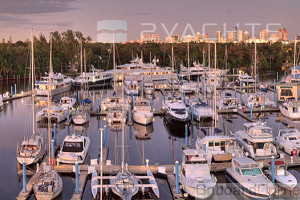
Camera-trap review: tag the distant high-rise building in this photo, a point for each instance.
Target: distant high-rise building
(274, 37)
(169, 39)
(282, 34)
(145, 38)
(155, 38)
(240, 36)
(206, 36)
(219, 36)
(235, 33)
(176, 38)
(264, 35)
(188, 38)
(246, 35)
(199, 37)
(297, 37)
(230, 37)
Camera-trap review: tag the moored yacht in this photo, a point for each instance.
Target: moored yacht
(74, 149)
(288, 140)
(115, 117)
(175, 111)
(131, 87)
(290, 109)
(244, 78)
(258, 101)
(247, 177)
(220, 148)
(94, 78)
(110, 103)
(228, 102)
(142, 113)
(188, 87)
(149, 87)
(67, 102)
(81, 116)
(59, 84)
(195, 176)
(201, 111)
(1, 102)
(57, 113)
(257, 140)
(48, 186)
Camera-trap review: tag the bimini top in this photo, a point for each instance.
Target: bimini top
(244, 162)
(194, 152)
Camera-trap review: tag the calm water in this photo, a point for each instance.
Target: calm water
(162, 147)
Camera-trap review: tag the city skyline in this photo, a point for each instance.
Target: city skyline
(17, 17)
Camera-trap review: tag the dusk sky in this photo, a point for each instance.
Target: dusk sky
(18, 16)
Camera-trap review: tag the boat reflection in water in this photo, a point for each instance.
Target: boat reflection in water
(176, 130)
(142, 132)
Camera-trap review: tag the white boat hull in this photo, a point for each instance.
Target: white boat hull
(198, 193)
(56, 91)
(143, 119)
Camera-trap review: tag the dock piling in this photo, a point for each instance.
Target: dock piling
(273, 169)
(52, 149)
(284, 75)
(164, 87)
(234, 93)
(15, 89)
(251, 110)
(204, 147)
(105, 135)
(54, 133)
(98, 105)
(241, 86)
(276, 97)
(77, 178)
(151, 103)
(131, 100)
(129, 114)
(277, 76)
(11, 91)
(177, 176)
(274, 84)
(68, 113)
(183, 97)
(192, 114)
(78, 97)
(264, 101)
(186, 136)
(24, 177)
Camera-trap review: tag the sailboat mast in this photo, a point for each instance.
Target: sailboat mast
(123, 143)
(114, 62)
(48, 111)
(208, 53)
(189, 61)
(85, 83)
(255, 67)
(215, 87)
(81, 70)
(295, 49)
(172, 68)
(32, 84)
(203, 57)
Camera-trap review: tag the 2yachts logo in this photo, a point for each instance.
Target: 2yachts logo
(112, 30)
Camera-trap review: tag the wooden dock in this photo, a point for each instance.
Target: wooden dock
(17, 96)
(82, 181)
(172, 185)
(29, 187)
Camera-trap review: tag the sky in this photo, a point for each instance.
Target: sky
(148, 16)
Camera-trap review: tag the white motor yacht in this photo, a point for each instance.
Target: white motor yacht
(258, 101)
(227, 102)
(257, 140)
(74, 149)
(290, 109)
(59, 84)
(195, 176)
(48, 186)
(149, 87)
(220, 148)
(282, 176)
(142, 113)
(288, 140)
(66, 102)
(1, 102)
(188, 87)
(57, 114)
(94, 78)
(201, 111)
(247, 177)
(243, 78)
(131, 87)
(175, 111)
(115, 117)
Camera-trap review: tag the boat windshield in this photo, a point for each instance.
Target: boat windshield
(292, 138)
(73, 147)
(251, 172)
(178, 111)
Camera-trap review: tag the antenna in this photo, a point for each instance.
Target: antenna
(114, 62)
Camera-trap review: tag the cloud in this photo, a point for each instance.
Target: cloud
(36, 6)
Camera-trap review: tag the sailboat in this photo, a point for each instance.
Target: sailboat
(124, 184)
(82, 114)
(49, 185)
(31, 150)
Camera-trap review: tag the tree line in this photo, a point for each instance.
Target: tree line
(15, 57)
